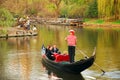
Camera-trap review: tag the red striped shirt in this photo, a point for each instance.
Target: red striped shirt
(71, 39)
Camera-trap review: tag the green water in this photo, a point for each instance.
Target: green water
(20, 57)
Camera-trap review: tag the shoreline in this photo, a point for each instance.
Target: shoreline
(102, 25)
(20, 32)
(16, 32)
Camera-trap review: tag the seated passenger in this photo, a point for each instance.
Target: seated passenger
(55, 49)
(47, 49)
(49, 53)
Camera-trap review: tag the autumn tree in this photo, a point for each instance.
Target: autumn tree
(2, 1)
(57, 5)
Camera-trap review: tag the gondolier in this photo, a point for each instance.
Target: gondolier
(71, 40)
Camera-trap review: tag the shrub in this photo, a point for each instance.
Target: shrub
(6, 18)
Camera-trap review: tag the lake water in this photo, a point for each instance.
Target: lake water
(20, 57)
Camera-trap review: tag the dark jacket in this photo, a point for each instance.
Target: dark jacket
(49, 54)
(55, 50)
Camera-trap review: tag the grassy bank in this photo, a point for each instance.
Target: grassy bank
(98, 24)
(100, 21)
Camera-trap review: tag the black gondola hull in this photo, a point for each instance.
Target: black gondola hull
(74, 68)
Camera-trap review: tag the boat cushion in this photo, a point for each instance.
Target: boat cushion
(61, 57)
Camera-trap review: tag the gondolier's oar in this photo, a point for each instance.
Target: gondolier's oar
(94, 62)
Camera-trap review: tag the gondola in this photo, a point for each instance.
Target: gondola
(65, 66)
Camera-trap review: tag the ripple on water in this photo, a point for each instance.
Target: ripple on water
(93, 75)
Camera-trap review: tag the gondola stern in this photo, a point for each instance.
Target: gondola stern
(94, 52)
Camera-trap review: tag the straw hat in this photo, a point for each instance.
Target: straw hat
(72, 32)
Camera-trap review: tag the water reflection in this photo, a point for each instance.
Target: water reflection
(18, 65)
(94, 75)
(57, 75)
(20, 57)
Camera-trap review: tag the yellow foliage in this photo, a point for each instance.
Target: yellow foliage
(109, 8)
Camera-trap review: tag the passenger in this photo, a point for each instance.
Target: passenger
(55, 49)
(65, 52)
(49, 53)
(47, 49)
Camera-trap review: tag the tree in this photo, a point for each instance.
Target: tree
(57, 5)
(2, 1)
(116, 11)
(92, 10)
(6, 18)
(109, 9)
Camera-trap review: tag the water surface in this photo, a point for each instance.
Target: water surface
(20, 57)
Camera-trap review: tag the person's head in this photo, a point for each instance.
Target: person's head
(50, 48)
(54, 46)
(65, 52)
(72, 32)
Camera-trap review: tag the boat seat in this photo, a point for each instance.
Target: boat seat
(66, 58)
(61, 57)
(55, 54)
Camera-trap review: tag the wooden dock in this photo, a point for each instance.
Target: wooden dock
(19, 34)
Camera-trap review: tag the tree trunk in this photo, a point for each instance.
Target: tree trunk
(116, 11)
